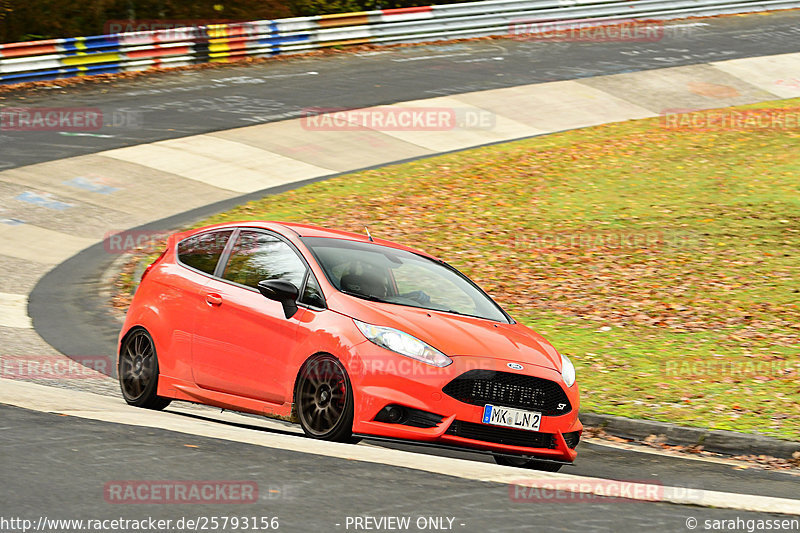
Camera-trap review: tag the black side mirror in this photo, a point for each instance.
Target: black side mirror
(281, 291)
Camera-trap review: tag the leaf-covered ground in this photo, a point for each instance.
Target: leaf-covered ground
(664, 263)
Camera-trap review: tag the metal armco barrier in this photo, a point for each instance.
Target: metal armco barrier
(124, 52)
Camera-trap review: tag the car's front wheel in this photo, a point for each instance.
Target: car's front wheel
(324, 399)
(138, 371)
(523, 462)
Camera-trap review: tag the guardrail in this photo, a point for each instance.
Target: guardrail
(123, 52)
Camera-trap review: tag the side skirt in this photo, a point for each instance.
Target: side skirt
(181, 390)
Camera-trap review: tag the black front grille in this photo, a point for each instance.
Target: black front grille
(479, 387)
(501, 435)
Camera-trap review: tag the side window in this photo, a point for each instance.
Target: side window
(312, 295)
(258, 256)
(203, 251)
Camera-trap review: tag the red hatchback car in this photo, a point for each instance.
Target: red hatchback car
(349, 336)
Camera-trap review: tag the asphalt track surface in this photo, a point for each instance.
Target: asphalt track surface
(39, 448)
(66, 462)
(174, 105)
(188, 103)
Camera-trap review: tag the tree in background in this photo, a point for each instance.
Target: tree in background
(44, 19)
(5, 9)
(305, 8)
(22, 20)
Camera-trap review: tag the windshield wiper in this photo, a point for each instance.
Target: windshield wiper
(369, 297)
(461, 314)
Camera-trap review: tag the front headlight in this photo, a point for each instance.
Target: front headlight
(567, 371)
(403, 343)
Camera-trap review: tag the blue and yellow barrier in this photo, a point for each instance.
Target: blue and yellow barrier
(142, 50)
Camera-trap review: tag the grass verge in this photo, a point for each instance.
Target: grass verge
(663, 262)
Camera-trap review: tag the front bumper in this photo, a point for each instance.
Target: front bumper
(381, 379)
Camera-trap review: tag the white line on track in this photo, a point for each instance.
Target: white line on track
(435, 56)
(107, 409)
(14, 311)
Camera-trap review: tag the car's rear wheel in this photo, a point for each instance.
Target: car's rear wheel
(138, 371)
(523, 462)
(324, 399)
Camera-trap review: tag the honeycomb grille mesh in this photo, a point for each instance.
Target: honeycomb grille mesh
(479, 387)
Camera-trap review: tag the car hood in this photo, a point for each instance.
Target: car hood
(457, 335)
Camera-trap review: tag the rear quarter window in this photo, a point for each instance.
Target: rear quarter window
(203, 251)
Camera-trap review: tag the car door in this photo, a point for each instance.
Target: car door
(179, 292)
(241, 339)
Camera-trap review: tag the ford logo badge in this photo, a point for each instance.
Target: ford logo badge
(515, 366)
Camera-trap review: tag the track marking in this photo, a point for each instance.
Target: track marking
(14, 311)
(84, 134)
(43, 199)
(107, 409)
(435, 56)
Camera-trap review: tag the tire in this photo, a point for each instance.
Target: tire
(522, 462)
(138, 371)
(324, 400)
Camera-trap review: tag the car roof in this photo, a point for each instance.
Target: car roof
(308, 230)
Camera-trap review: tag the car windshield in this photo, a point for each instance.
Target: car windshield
(389, 275)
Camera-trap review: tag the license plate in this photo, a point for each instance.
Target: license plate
(513, 418)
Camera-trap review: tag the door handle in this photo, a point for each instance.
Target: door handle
(213, 299)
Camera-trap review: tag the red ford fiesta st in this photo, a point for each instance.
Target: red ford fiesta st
(349, 336)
